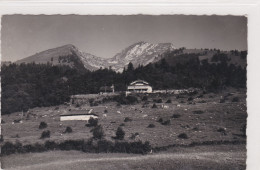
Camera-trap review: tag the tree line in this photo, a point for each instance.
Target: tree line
(31, 85)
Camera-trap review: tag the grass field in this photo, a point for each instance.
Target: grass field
(202, 117)
(204, 125)
(195, 158)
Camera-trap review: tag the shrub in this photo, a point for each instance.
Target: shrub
(68, 129)
(176, 115)
(91, 101)
(145, 98)
(235, 99)
(200, 96)
(167, 122)
(127, 119)
(195, 128)
(98, 132)
(169, 101)
(105, 111)
(92, 122)
(122, 124)
(45, 134)
(133, 135)
(222, 101)
(17, 121)
(122, 99)
(190, 99)
(131, 99)
(42, 125)
(2, 121)
(8, 148)
(160, 120)
(222, 130)
(198, 112)
(94, 104)
(120, 134)
(154, 106)
(159, 101)
(151, 126)
(183, 136)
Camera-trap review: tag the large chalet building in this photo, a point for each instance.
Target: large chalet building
(139, 86)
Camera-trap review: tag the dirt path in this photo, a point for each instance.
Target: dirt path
(77, 160)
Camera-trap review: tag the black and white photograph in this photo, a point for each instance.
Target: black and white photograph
(113, 92)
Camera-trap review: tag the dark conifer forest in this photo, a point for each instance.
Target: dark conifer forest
(26, 86)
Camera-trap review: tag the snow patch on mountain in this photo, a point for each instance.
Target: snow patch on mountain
(141, 53)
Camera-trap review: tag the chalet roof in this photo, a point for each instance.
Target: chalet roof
(78, 112)
(139, 81)
(91, 114)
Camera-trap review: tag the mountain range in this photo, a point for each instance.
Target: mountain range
(140, 53)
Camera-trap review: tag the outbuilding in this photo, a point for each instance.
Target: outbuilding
(78, 116)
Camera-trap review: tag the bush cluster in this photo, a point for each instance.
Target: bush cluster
(176, 115)
(125, 100)
(98, 132)
(198, 112)
(151, 125)
(127, 119)
(92, 122)
(166, 122)
(81, 145)
(120, 134)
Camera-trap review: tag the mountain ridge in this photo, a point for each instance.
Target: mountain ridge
(138, 53)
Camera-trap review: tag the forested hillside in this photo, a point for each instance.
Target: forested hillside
(35, 85)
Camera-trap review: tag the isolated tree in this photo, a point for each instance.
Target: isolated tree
(120, 134)
(130, 67)
(98, 132)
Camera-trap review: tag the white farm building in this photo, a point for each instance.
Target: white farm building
(139, 86)
(79, 116)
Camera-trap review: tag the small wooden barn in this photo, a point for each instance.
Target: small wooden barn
(107, 89)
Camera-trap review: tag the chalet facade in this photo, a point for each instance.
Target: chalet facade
(139, 86)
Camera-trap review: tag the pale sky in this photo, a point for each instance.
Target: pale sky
(104, 36)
